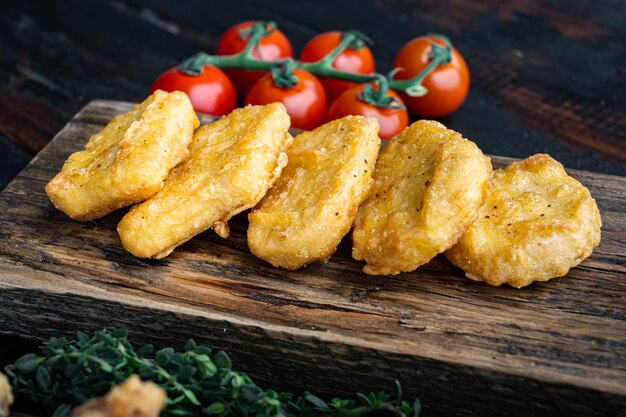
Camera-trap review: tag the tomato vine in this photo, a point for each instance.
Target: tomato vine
(440, 55)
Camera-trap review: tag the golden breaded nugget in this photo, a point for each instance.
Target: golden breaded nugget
(536, 224)
(6, 395)
(233, 162)
(127, 161)
(132, 398)
(311, 208)
(428, 186)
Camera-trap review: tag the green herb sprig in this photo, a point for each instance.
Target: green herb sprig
(198, 383)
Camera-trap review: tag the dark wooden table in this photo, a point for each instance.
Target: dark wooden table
(546, 76)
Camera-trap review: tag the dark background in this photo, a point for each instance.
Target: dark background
(546, 76)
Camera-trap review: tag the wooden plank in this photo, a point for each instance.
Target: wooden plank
(551, 348)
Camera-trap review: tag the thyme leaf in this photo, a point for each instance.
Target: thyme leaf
(197, 383)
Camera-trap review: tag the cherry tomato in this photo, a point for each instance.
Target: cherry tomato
(392, 121)
(358, 61)
(210, 92)
(447, 84)
(305, 102)
(274, 46)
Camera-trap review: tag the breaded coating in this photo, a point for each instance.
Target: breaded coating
(127, 161)
(6, 395)
(537, 223)
(132, 398)
(312, 206)
(233, 162)
(428, 186)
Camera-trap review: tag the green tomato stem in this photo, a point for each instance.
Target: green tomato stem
(378, 96)
(346, 40)
(254, 34)
(283, 75)
(440, 55)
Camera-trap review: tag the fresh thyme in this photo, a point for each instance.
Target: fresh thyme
(198, 383)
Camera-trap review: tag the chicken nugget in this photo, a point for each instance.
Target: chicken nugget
(536, 224)
(312, 206)
(233, 162)
(6, 395)
(127, 161)
(428, 186)
(132, 398)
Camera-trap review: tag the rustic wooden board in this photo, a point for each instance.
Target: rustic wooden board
(464, 348)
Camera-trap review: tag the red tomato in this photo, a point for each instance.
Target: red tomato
(359, 61)
(447, 84)
(210, 92)
(305, 102)
(274, 46)
(392, 121)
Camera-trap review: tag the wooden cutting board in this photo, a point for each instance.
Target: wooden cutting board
(465, 349)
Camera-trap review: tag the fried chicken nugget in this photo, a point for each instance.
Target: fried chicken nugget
(233, 162)
(428, 186)
(127, 161)
(132, 398)
(6, 395)
(537, 223)
(312, 206)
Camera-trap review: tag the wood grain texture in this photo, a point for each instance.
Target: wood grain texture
(551, 349)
